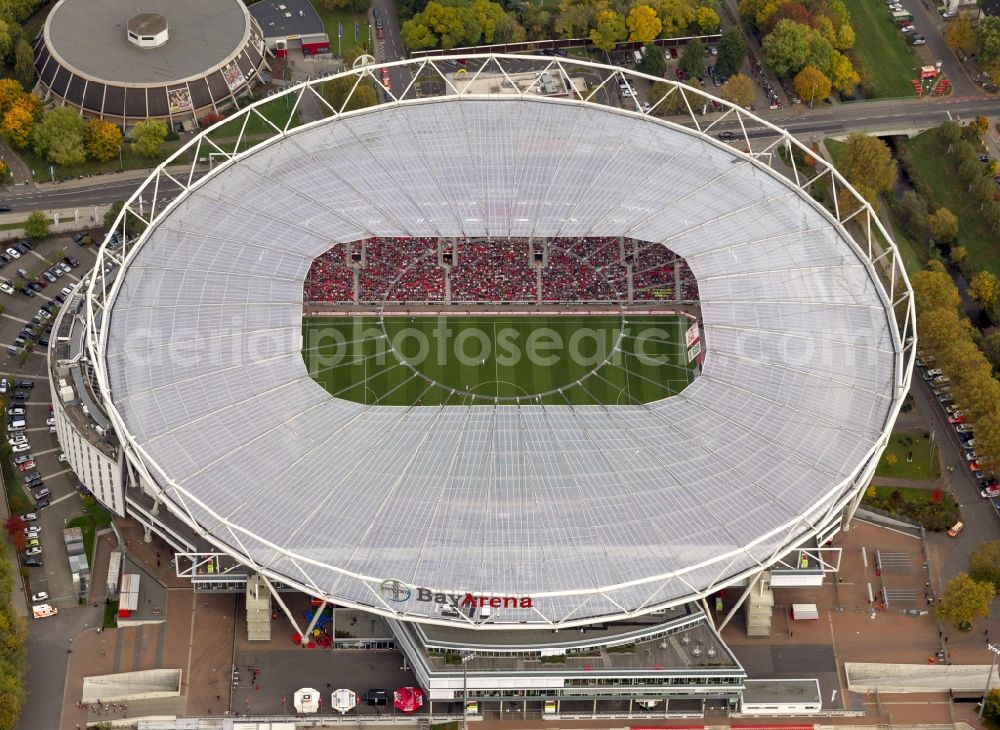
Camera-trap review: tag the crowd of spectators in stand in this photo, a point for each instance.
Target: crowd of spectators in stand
(330, 278)
(653, 276)
(574, 270)
(493, 270)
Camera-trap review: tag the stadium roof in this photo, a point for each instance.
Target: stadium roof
(591, 512)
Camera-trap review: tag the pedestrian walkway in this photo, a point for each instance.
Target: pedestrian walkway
(912, 483)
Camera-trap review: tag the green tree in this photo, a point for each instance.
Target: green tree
(791, 47)
(706, 19)
(964, 600)
(988, 33)
(643, 24)
(811, 84)
(950, 133)
(442, 26)
(37, 225)
(354, 6)
(575, 18)
(934, 290)
(24, 64)
(943, 225)
(18, 11)
(342, 94)
(980, 125)
(867, 160)
(739, 90)
(733, 50)
(59, 137)
(984, 563)
(692, 60)
(148, 137)
(991, 708)
(509, 30)
(133, 224)
(103, 139)
(6, 42)
(982, 189)
(489, 16)
(18, 125)
(912, 210)
(673, 99)
(961, 34)
(991, 348)
(653, 62)
(843, 77)
(985, 289)
(958, 254)
(608, 30)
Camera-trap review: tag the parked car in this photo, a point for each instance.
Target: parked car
(26, 465)
(33, 551)
(19, 448)
(931, 374)
(18, 460)
(39, 597)
(918, 40)
(965, 428)
(49, 276)
(29, 517)
(34, 562)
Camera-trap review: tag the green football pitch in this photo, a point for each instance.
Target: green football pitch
(554, 360)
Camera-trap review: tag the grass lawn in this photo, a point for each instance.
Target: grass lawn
(129, 161)
(111, 614)
(334, 19)
(86, 525)
(95, 517)
(882, 49)
(277, 112)
(925, 458)
(458, 360)
(941, 173)
(836, 149)
(20, 224)
(916, 504)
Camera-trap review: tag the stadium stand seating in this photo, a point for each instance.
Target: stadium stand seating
(499, 270)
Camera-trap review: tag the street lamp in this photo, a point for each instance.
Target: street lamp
(465, 688)
(989, 675)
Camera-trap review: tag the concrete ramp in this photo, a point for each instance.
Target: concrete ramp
(144, 685)
(865, 677)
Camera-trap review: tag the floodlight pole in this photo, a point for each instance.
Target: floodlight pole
(989, 675)
(465, 689)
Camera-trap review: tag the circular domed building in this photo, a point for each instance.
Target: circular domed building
(175, 60)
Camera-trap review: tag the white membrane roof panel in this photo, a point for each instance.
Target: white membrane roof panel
(564, 504)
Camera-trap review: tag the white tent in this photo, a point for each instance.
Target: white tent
(343, 700)
(307, 700)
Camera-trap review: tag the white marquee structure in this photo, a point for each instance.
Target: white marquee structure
(563, 515)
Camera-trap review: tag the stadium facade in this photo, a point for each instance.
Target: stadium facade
(177, 60)
(478, 533)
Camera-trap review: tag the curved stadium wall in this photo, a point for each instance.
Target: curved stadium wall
(561, 516)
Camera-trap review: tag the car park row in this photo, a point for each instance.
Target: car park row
(980, 465)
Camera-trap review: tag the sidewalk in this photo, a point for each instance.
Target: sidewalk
(69, 220)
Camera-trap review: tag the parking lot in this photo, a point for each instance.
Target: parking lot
(23, 334)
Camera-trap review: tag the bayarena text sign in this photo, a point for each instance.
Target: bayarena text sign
(398, 592)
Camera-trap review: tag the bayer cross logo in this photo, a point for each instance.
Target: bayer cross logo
(395, 590)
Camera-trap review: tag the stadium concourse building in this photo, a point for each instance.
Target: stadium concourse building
(176, 60)
(564, 558)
